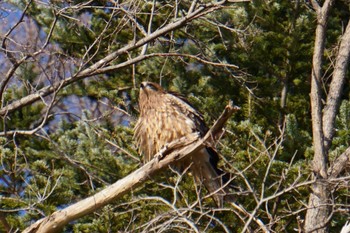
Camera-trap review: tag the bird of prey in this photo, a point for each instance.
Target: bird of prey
(167, 116)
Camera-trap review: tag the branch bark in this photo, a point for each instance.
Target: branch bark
(183, 147)
(319, 161)
(323, 120)
(336, 87)
(339, 164)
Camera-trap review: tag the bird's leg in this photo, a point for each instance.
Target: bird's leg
(175, 145)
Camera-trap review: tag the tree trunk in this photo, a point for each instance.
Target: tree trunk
(316, 219)
(317, 216)
(319, 212)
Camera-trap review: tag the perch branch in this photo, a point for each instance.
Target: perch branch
(174, 151)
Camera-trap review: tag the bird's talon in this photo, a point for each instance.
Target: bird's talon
(161, 153)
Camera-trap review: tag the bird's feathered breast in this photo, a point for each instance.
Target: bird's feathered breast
(164, 117)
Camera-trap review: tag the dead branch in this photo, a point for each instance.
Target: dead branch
(179, 149)
(251, 216)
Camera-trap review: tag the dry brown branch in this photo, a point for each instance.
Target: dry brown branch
(183, 147)
(97, 41)
(266, 199)
(251, 216)
(178, 217)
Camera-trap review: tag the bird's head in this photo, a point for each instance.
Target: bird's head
(151, 95)
(150, 89)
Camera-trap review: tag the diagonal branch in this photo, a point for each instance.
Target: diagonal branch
(339, 164)
(334, 95)
(174, 151)
(151, 55)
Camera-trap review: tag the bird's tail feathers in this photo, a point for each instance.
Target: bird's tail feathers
(217, 182)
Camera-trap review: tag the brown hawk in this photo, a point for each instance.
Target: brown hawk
(165, 117)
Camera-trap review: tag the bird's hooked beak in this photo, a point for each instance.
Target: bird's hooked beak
(143, 88)
(142, 85)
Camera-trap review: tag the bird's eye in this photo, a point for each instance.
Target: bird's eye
(151, 86)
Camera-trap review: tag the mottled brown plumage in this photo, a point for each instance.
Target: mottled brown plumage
(165, 117)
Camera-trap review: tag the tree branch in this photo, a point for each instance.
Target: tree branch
(320, 155)
(151, 55)
(174, 151)
(336, 87)
(339, 164)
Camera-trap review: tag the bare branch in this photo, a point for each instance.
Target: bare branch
(147, 56)
(336, 88)
(15, 63)
(6, 36)
(149, 29)
(315, 5)
(251, 216)
(320, 155)
(339, 164)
